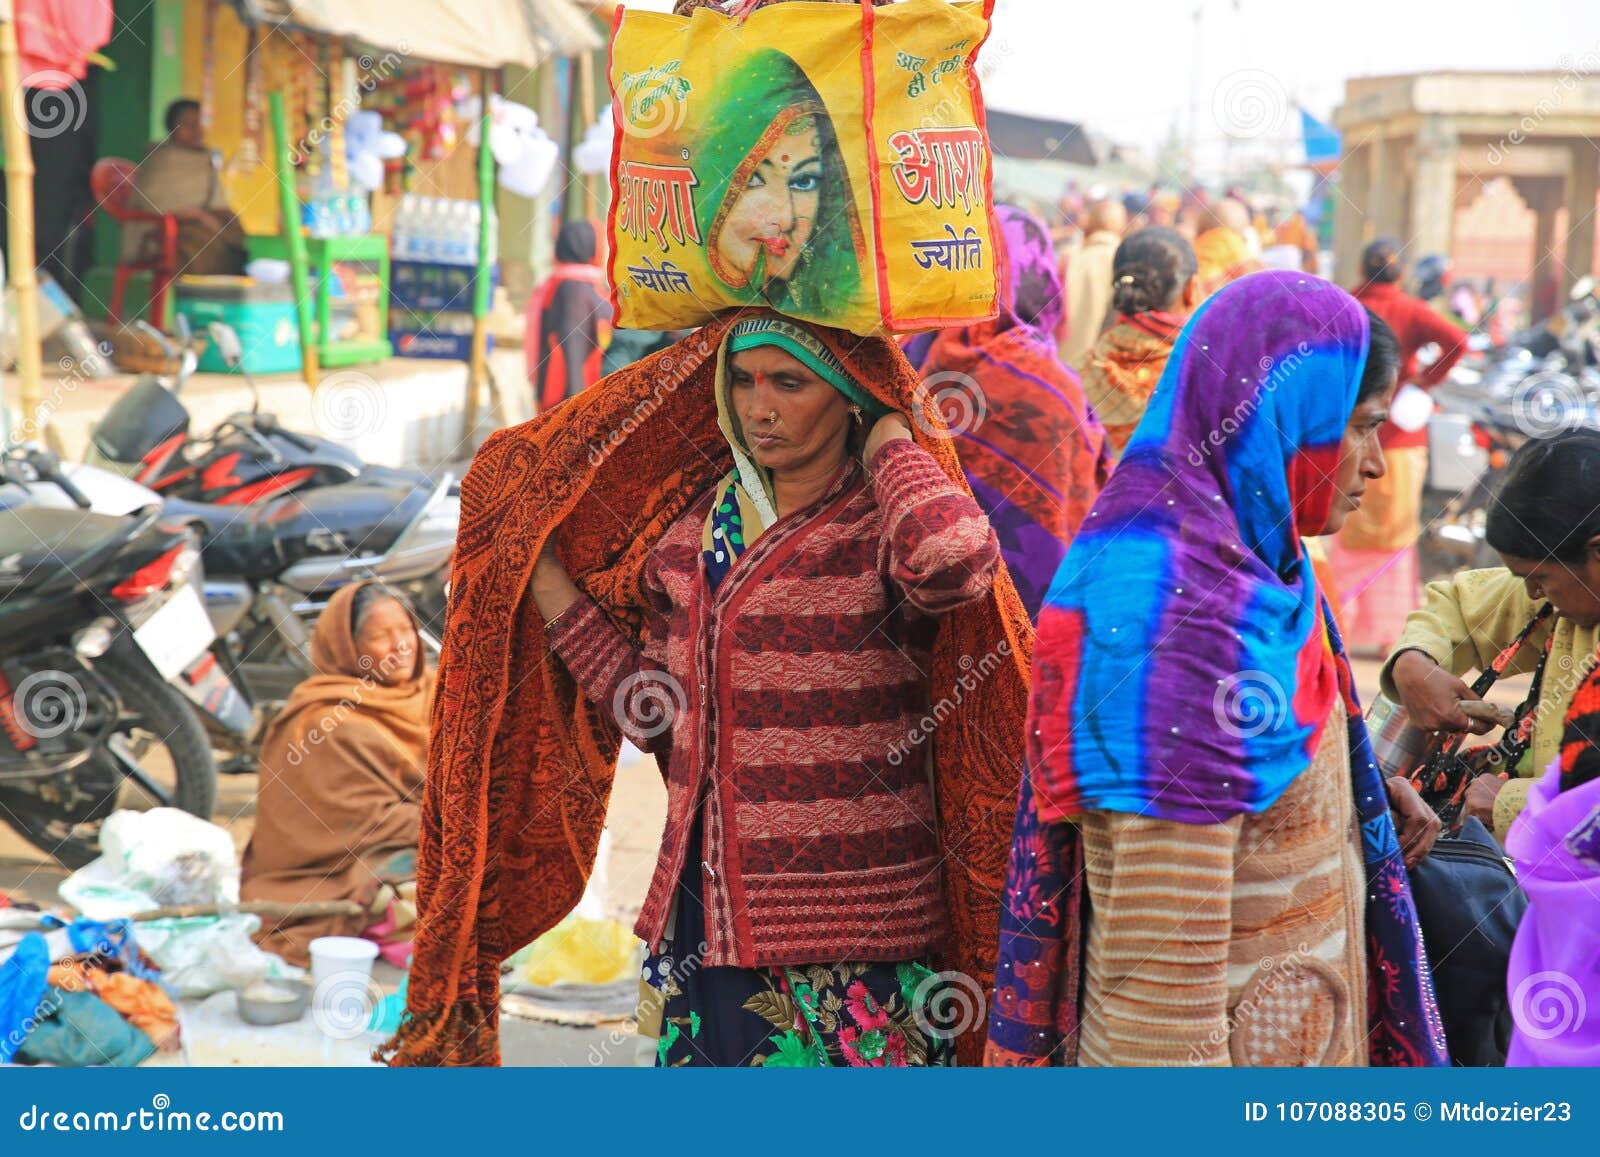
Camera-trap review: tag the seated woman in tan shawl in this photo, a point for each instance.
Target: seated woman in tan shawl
(341, 775)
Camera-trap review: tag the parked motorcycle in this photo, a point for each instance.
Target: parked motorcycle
(1544, 380)
(251, 458)
(97, 614)
(270, 569)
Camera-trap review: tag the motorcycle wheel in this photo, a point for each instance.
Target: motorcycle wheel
(151, 714)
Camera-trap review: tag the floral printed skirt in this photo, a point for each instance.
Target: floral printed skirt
(800, 1016)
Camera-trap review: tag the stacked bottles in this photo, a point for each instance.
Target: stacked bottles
(435, 229)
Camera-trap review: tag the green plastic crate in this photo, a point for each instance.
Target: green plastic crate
(262, 315)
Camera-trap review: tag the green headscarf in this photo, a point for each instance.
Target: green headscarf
(764, 95)
(796, 339)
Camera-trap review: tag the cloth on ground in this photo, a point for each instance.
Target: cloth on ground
(22, 986)
(78, 1029)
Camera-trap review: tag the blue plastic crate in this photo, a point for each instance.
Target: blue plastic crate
(444, 334)
(432, 285)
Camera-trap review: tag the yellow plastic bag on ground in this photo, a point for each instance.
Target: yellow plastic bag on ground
(582, 951)
(828, 160)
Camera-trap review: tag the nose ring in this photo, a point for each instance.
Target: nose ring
(772, 417)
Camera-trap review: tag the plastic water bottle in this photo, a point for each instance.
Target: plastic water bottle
(422, 225)
(405, 229)
(463, 233)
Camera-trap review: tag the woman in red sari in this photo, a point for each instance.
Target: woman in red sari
(568, 319)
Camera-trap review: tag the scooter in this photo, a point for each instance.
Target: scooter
(98, 613)
(271, 568)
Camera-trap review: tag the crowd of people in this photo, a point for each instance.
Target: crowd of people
(1062, 695)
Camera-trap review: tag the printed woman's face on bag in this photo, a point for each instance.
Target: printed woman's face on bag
(773, 215)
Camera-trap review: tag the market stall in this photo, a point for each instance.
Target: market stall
(376, 151)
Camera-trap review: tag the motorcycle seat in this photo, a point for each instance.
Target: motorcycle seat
(38, 543)
(264, 539)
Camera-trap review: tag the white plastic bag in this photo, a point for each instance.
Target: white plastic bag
(154, 859)
(200, 955)
(1411, 408)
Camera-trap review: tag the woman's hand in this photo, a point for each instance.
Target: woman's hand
(1414, 821)
(886, 429)
(552, 588)
(1481, 794)
(1432, 696)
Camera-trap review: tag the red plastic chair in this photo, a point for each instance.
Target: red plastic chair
(112, 183)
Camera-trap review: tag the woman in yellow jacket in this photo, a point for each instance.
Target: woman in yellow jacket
(1545, 523)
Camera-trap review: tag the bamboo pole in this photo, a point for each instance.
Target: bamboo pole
(299, 261)
(477, 369)
(19, 234)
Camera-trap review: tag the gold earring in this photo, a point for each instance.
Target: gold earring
(855, 412)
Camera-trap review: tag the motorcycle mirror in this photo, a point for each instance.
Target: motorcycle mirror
(185, 334)
(226, 339)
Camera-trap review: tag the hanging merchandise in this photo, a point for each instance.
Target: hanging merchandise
(247, 158)
(753, 168)
(593, 154)
(524, 153)
(344, 89)
(208, 69)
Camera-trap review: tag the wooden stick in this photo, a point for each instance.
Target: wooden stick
(274, 908)
(255, 908)
(19, 233)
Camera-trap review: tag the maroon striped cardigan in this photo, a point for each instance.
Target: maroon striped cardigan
(794, 702)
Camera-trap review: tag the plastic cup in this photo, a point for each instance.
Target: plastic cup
(341, 956)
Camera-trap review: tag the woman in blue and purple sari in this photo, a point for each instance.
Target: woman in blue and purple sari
(1206, 869)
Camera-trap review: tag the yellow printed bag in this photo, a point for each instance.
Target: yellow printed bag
(827, 160)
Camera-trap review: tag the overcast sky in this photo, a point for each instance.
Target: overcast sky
(1125, 68)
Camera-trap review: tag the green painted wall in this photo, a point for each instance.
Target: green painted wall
(147, 47)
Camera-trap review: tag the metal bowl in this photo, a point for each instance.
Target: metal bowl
(288, 1001)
